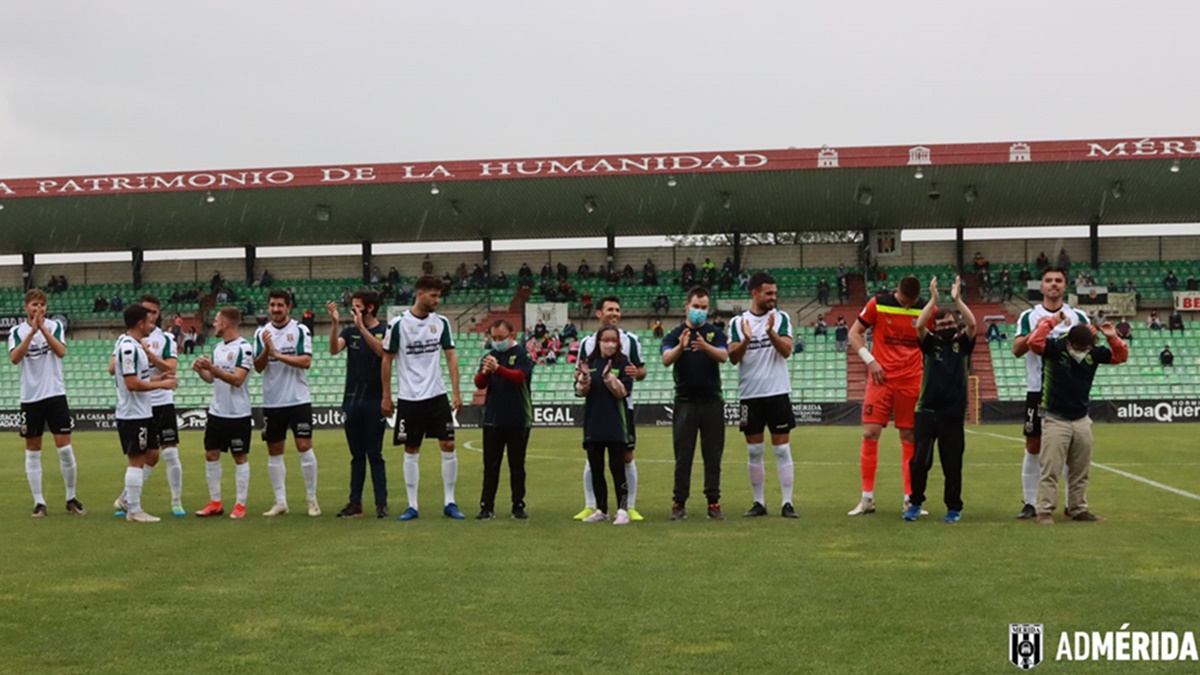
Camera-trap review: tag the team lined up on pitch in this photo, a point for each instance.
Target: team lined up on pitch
(917, 366)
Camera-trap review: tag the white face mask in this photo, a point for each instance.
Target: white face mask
(1078, 356)
(502, 345)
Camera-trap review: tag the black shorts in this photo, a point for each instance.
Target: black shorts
(52, 412)
(772, 412)
(1033, 417)
(277, 421)
(416, 420)
(166, 424)
(137, 436)
(227, 434)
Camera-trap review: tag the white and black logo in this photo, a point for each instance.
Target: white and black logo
(1025, 644)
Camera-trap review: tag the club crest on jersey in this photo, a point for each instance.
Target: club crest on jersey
(291, 338)
(433, 330)
(914, 323)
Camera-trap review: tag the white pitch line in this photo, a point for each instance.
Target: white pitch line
(1126, 474)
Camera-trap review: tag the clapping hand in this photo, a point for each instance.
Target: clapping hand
(331, 307)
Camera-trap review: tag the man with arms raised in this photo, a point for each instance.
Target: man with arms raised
(894, 368)
(228, 426)
(135, 413)
(609, 314)
(1054, 286)
(283, 354)
(760, 342)
(417, 339)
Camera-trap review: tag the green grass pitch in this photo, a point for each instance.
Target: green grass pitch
(825, 594)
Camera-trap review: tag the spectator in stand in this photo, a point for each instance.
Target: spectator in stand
(447, 285)
(1153, 323)
(729, 268)
(116, 304)
(501, 280)
(1042, 262)
(566, 292)
(744, 280)
(820, 328)
(585, 270)
(718, 322)
(628, 272)
(662, 304)
(569, 331)
(547, 271)
(1175, 322)
(985, 285)
(309, 320)
(189, 340)
(346, 297)
(1024, 276)
(1064, 261)
(649, 273)
(524, 273)
(461, 273)
(1006, 290)
(1005, 275)
(177, 328)
(843, 286)
(268, 279)
(540, 333)
(688, 270)
(478, 277)
(248, 309)
(798, 344)
(536, 351)
(993, 332)
(553, 347)
(725, 283)
(393, 276)
(100, 305)
(1191, 284)
(1171, 282)
(1165, 357)
(216, 283)
(708, 273)
(841, 270)
(573, 351)
(1124, 330)
(841, 334)
(376, 277)
(823, 292)
(1130, 287)
(426, 266)
(585, 301)
(562, 271)
(981, 263)
(658, 329)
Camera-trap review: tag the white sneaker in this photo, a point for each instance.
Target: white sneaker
(865, 505)
(597, 517)
(141, 517)
(314, 509)
(622, 517)
(908, 502)
(121, 505)
(277, 510)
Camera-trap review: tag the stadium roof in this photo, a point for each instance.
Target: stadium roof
(1130, 181)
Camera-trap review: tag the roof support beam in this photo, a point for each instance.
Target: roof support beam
(27, 260)
(959, 245)
(366, 262)
(737, 251)
(251, 256)
(1094, 242)
(139, 262)
(611, 252)
(487, 259)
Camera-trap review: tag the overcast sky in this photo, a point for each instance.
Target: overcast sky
(92, 87)
(106, 87)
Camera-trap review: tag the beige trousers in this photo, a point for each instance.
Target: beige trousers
(1067, 443)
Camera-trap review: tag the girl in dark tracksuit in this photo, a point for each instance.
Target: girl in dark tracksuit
(601, 380)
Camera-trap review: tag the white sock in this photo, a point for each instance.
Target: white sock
(869, 494)
(174, 473)
(212, 474)
(412, 477)
(277, 470)
(589, 494)
(1031, 474)
(66, 462)
(758, 474)
(134, 479)
(308, 467)
(631, 484)
(242, 477)
(146, 471)
(449, 475)
(33, 471)
(786, 470)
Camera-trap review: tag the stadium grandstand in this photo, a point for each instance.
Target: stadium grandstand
(711, 202)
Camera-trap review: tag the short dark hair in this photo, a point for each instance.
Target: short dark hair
(941, 314)
(500, 322)
(370, 299)
(428, 282)
(232, 314)
(135, 314)
(1080, 334)
(151, 299)
(607, 299)
(279, 293)
(910, 286)
(1048, 270)
(760, 278)
(697, 292)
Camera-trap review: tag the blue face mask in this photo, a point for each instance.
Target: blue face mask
(502, 345)
(697, 316)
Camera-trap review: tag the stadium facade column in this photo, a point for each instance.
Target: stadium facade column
(737, 251)
(366, 262)
(27, 260)
(611, 252)
(139, 263)
(251, 256)
(960, 245)
(487, 257)
(1094, 241)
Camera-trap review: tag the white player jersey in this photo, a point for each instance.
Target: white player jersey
(418, 345)
(41, 371)
(162, 345)
(227, 400)
(631, 347)
(762, 372)
(131, 360)
(1029, 320)
(284, 385)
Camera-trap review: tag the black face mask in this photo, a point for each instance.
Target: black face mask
(947, 334)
